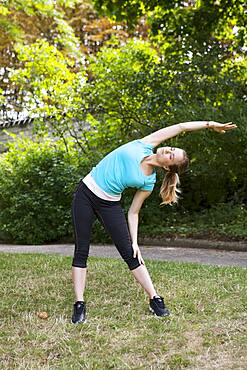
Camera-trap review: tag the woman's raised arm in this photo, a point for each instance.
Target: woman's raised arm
(166, 133)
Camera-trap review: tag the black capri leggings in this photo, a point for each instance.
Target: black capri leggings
(86, 207)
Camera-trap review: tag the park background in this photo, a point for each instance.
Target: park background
(79, 78)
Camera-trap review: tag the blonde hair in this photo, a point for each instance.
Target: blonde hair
(169, 190)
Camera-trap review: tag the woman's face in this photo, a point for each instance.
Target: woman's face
(168, 156)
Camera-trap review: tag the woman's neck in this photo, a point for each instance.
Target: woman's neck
(151, 161)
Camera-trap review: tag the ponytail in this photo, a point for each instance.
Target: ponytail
(169, 189)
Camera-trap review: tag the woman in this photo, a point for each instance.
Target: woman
(98, 195)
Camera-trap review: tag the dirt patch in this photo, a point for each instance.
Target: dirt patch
(194, 341)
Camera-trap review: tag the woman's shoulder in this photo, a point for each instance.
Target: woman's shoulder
(145, 142)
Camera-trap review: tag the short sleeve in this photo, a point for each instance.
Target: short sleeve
(148, 187)
(149, 183)
(145, 145)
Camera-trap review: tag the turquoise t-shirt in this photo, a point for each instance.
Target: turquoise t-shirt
(121, 169)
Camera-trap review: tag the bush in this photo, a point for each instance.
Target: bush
(224, 221)
(133, 93)
(37, 179)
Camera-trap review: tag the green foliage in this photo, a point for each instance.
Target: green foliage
(12, 11)
(45, 72)
(26, 22)
(223, 221)
(117, 92)
(200, 21)
(129, 10)
(37, 179)
(4, 10)
(191, 69)
(51, 87)
(181, 21)
(133, 93)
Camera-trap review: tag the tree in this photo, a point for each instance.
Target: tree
(181, 27)
(24, 22)
(133, 91)
(72, 26)
(126, 91)
(201, 19)
(51, 87)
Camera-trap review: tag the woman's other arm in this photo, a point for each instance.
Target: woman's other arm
(166, 133)
(133, 220)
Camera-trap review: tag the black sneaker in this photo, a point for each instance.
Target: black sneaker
(157, 306)
(79, 314)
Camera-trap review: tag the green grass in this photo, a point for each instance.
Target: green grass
(207, 328)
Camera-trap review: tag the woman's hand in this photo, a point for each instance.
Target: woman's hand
(221, 127)
(137, 253)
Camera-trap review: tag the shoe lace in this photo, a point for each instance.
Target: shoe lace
(79, 307)
(160, 301)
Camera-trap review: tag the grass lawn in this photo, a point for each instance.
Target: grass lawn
(207, 328)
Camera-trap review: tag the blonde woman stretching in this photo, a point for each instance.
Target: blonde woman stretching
(98, 196)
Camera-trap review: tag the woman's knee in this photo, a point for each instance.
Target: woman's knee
(132, 263)
(80, 255)
(78, 262)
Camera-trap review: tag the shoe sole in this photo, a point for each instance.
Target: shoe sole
(153, 312)
(79, 322)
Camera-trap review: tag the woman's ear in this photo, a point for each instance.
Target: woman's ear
(166, 168)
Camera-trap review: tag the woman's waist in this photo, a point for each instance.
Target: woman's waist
(96, 189)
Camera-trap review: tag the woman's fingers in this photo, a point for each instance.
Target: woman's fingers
(223, 127)
(137, 253)
(136, 250)
(230, 127)
(141, 260)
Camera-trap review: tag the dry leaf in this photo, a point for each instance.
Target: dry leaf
(42, 315)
